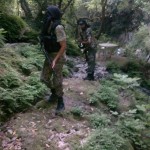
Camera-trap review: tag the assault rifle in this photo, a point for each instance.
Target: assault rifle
(82, 46)
(46, 55)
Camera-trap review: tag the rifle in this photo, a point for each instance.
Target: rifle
(46, 55)
(85, 52)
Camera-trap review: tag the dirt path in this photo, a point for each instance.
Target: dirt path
(40, 129)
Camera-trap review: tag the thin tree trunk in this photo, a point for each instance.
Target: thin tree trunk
(26, 9)
(67, 5)
(148, 58)
(104, 3)
(60, 4)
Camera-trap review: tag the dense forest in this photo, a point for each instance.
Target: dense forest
(110, 113)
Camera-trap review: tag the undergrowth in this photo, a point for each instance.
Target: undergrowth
(20, 84)
(113, 130)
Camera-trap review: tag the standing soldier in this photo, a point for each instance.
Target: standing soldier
(54, 39)
(88, 42)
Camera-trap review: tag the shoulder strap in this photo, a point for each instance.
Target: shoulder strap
(53, 26)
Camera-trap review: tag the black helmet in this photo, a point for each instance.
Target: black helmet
(54, 11)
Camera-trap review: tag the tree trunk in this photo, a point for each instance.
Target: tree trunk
(26, 9)
(67, 5)
(60, 4)
(104, 3)
(148, 58)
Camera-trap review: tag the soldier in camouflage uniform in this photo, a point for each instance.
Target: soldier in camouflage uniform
(52, 73)
(89, 45)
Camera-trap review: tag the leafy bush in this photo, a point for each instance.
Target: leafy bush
(132, 67)
(66, 71)
(132, 129)
(30, 36)
(140, 96)
(34, 59)
(99, 120)
(141, 41)
(22, 97)
(105, 139)
(72, 48)
(126, 81)
(106, 94)
(113, 67)
(10, 80)
(135, 68)
(13, 25)
(76, 111)
(19, 92)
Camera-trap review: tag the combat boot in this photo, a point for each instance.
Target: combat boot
(53, 97)
(60, 106)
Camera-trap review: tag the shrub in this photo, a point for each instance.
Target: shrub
(113, 67)
(72, 48)
(66, 71)
(141, 41)
(99, 120)
(13, 25)
(105, 139)
(135, 68)
(19, 92)
(106, 94)
(10, 80)
(76, 111)
(30, 36)
(132, 67)
(132, 129)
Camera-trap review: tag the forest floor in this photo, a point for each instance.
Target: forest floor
(38, 128)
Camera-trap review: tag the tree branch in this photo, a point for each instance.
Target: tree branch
(67, 5)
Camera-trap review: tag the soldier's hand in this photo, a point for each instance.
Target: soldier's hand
(53, 64)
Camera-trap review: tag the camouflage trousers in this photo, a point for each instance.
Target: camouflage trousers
(53, 79)
(90, 59)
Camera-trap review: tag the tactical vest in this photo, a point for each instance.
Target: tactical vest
(50, 40)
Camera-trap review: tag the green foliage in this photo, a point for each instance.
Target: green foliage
(125, 80)
(132, 129)
(10, 80)
(135, 68)
(13, 25)
(113, 67)
(34, 59)
(141, 40)
(18, 92)
(140, 96)
(105, 139)
(72, 48)
(106, 94)
(77, 111)
(104, 38)
(66, 71)
(30, 36)
(132, 67)
(2, 39)
(99, 120)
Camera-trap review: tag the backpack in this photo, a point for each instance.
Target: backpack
(48, 35)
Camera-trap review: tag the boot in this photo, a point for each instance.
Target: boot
(60, 105)
(53, 97)
(90, 77)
